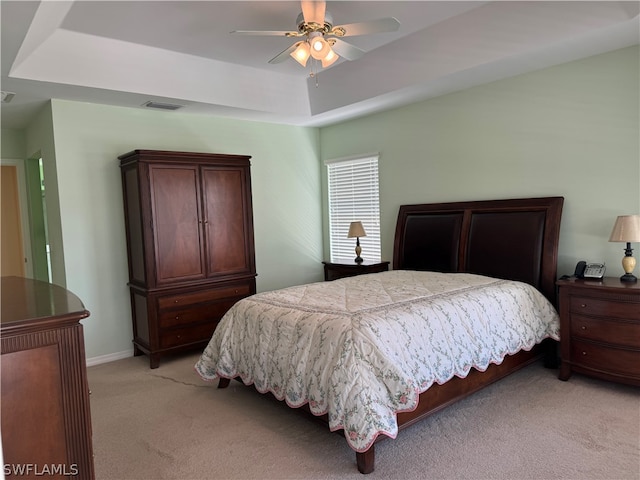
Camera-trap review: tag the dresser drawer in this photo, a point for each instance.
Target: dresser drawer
(605, 359)
(202, 296)
(184, 336)
(607, 331)
(605, 308)
(212, 312)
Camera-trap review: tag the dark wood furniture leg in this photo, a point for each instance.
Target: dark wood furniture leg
(565, 371)
(224, 382)
(154, 360)
(366, 460)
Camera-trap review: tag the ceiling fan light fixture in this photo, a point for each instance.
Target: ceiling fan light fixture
(320, 36)
(330, 58)
(319, 46)
(301, 53)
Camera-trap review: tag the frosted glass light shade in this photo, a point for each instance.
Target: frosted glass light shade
(301, 53)
(319, 47)
(330, 58)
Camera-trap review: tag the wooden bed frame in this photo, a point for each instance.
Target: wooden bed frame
(511, 239)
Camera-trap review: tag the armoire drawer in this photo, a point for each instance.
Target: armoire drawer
(604, 307)
(183, 336)
(624, 333)
(202, 296)
(603, 358)
(210, 312)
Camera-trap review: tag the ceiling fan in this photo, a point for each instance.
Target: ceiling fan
(322, 40)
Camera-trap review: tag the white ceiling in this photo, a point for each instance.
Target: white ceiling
(127, 53)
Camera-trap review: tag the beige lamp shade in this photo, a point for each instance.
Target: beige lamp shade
(356, 230)
(626, 229)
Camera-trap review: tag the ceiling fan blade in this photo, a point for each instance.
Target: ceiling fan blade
(282, 33)
(284, 55)
(346, 50)
(389, 24)
(313, 11)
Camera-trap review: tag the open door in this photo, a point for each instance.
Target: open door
(13, 260)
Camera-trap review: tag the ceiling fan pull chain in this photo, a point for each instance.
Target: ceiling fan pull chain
(315, 65)
(313, 70)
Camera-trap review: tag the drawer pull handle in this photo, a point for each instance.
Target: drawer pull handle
(584, 353)
(175, 301)
(583, 305)
(583, 327)
(177, 317)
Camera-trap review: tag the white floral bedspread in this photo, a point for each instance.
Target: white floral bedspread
(363, 348)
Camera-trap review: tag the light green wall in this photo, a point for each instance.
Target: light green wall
(570, 130)
(40, 143)
(286, 191)
(12, 143)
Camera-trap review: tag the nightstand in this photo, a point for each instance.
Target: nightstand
(349, 268)
(600, 329)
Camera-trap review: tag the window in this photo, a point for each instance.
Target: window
(353, 196)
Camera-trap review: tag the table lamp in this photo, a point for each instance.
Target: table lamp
(357, 230)
(627, 229)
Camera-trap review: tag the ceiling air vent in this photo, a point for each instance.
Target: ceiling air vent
(161, 106)
(7, 96)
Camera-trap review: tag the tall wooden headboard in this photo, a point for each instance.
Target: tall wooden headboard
(512, 239)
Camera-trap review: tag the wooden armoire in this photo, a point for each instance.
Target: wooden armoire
(189, 227)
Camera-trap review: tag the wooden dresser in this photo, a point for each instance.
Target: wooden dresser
(189, 227)
(46, 421)
(600, 329)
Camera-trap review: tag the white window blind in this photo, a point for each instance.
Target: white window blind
(354, 196)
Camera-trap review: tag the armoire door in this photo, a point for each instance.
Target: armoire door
(225, 213)
(175, 204)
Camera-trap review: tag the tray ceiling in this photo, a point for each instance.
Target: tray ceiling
(182, 53)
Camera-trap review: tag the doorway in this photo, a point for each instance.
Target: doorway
(14, 225)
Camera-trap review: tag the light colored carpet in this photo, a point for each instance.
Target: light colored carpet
(169, 424)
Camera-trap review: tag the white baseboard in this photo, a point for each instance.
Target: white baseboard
(111, 357)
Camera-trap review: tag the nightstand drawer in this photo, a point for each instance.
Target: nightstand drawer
(605, 359)
(605, 308)
(622, 333)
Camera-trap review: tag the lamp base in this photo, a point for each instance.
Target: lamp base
(628, 277)
(359, 260)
